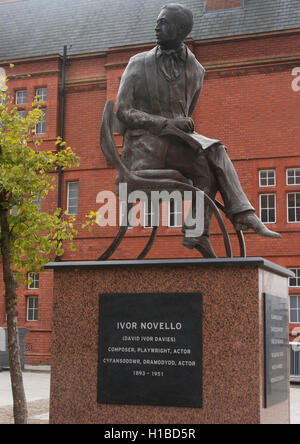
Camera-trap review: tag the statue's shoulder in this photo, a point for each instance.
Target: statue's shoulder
(140, 57)
(197, 65)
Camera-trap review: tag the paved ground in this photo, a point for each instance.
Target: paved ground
(295, 404)
(37, 388)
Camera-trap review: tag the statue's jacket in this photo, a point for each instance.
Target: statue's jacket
(143, 102)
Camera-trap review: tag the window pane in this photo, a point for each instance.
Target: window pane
(293, 176)
(72, 204)
(22, 114)
(264, 215)
(268, 208)
(292, 216)
(42, 93)
(294, 317)
(32, 308)
(291, 200)
(267, 178)
(295, 281)
(264, 201)
(41, 126)
(294, 301)
(20, 97)
(34, 285)
(272, 216)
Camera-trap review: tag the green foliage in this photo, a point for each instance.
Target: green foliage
(25, 178)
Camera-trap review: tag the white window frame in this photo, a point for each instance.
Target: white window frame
(295, 309)
(32, 313)
(42, 92)
(287, 177)
(260, 208)
(123, 205)
(148, 215)
(297, 277)
(41, 126)
(69, 199)
(35, 284)
(287, 209)
(176, 214)
(267, 178)
(21, 97)
(295, 349)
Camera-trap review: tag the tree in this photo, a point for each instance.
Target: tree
(28, 237)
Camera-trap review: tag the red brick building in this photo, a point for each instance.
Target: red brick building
(250, 100)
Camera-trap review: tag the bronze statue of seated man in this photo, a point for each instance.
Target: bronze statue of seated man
(158, 93)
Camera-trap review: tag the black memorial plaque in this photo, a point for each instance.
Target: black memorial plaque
(150, 349)
(276, 350)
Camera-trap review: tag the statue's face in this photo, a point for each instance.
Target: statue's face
(167, 30)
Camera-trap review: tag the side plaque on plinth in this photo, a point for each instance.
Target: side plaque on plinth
(276, 350)
(150, 349)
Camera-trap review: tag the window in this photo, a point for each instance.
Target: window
(267, 178)
(293, 176)
(72, 200)
(175, 214)
(295, 359)
(293, 207)
(267, 205)
(122, 208)
(38, 202)
(295, 309)
(32, 308)
(41, 126)
(35, 281)
(295, 281)
(21, 97)
(148, 215)
(22, 114)
(42, 93)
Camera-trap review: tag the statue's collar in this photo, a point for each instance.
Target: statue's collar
(180, 52)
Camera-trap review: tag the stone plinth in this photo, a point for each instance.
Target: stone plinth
(233, 338)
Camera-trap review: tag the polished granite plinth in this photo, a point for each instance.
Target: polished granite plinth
(233, 338)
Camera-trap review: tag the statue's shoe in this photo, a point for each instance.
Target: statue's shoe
(201, 244)
(249, 220)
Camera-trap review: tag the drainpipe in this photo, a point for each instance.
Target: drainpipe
(62, 127)
(62, 123)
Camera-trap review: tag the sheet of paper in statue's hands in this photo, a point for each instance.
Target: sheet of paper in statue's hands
(205, 142)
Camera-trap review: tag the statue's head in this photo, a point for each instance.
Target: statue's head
(174, 23)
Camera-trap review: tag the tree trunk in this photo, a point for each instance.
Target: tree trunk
(20, 405)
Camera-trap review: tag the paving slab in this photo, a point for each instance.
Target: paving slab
(295, 405)
(37, 388)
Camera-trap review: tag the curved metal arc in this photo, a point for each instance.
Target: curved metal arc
(149, 245)
(110, 151)
(114, 245)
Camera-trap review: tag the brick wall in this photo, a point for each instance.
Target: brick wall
(213, 5)
(247, 102)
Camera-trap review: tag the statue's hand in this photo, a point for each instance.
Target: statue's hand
(185, 124)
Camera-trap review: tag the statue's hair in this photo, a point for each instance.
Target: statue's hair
(183, 14)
